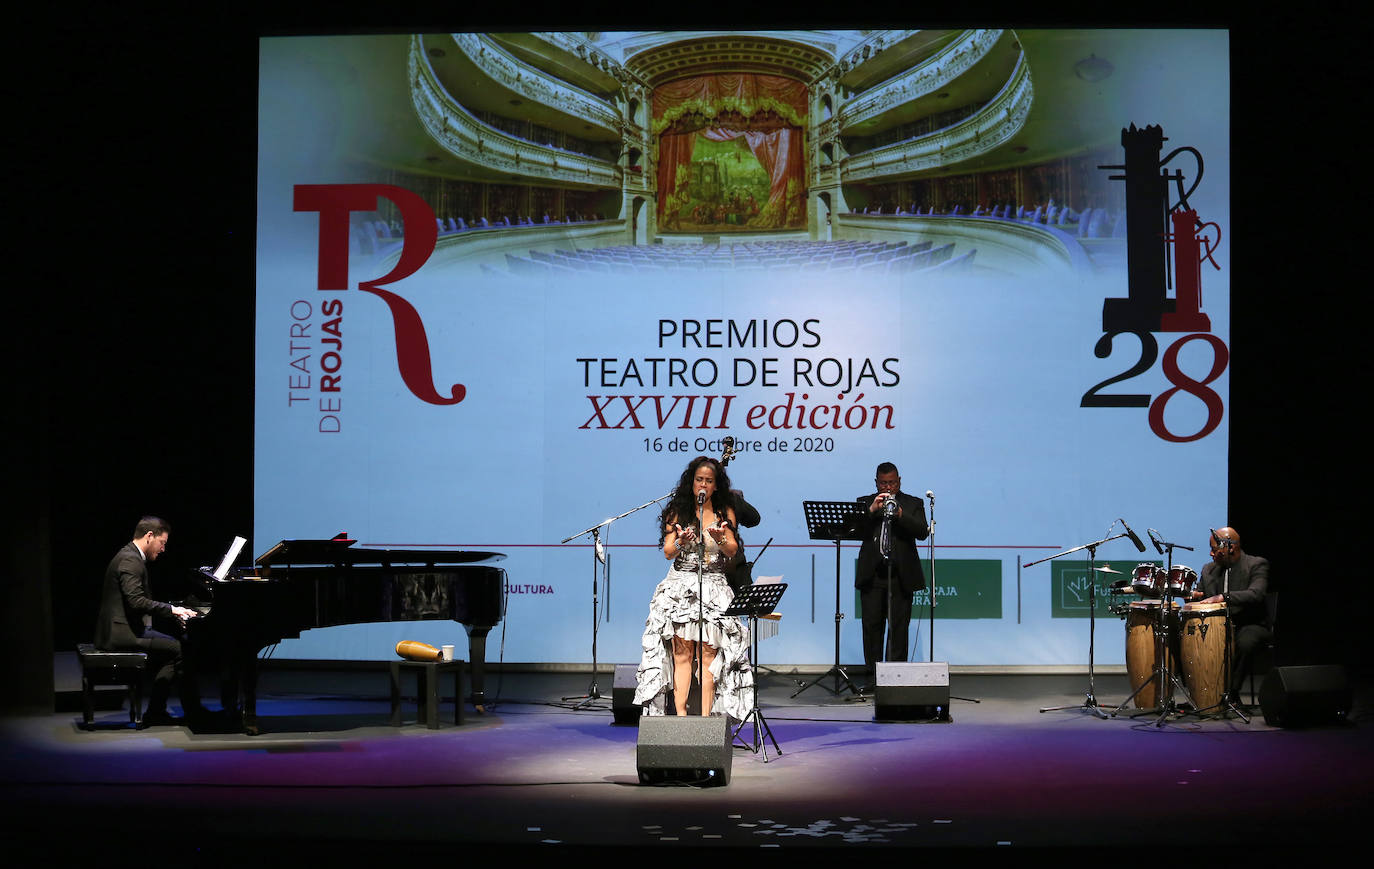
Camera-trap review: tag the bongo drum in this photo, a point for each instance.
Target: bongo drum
(1182, 580)
(1148, 580)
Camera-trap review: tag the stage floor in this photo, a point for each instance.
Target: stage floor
(329, 776)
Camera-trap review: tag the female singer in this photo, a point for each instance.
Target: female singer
(682, 626)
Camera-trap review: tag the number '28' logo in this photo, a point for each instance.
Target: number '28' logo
(1149, 352)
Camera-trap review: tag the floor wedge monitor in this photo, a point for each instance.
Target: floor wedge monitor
(688, 749)
(911, 692)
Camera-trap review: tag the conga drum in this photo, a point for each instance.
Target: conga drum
(1203, 649)
(1141, 642)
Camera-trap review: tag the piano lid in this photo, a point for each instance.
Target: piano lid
(340, 551)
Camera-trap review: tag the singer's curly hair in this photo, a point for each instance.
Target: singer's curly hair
(683, 504)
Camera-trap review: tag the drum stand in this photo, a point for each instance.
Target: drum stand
(1090, 700)
(1163, 674)
(753, 602)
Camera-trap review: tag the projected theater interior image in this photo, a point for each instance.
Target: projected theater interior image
(861, 396)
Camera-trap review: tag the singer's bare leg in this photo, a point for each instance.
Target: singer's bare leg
(682, 673)
(708, 682)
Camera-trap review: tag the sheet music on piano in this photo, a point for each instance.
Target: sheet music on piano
(217, 575)
(228, 561)
(768, 625)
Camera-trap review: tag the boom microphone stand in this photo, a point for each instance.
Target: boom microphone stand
(1228, 657)
(600, 555)
(1090, 701)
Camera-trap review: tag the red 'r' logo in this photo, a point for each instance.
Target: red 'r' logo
(335, 202)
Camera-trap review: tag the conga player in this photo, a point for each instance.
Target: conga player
(1240, 581)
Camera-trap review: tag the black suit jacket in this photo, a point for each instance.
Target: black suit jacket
(124, 599)
(740, 574)
(745, 513)
(906, 530)
(1249, 584)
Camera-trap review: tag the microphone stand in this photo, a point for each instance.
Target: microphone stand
(593, 692)
(932, 549)
(1228, 697)
(1163, 672)
(701, 608)
(885, 550)
(931, 544)
(1090, 701)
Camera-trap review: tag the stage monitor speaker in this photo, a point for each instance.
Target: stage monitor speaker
(624, 709)
(1304, 696)
(911, 692)
(686, 749)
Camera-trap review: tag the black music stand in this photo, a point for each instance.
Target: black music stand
(754, 602)
(834, 520)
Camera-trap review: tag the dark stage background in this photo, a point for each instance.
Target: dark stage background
(133, 350)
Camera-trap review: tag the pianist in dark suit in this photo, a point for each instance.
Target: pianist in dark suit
(125, 599)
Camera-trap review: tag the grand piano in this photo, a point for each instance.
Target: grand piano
(304, 584)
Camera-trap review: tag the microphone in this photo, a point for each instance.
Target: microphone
(1154, 538)
(1131, 534)
(1222, 541)
(701, 498)
(885, 531)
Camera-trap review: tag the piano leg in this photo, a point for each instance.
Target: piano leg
(248, 673)
(477, 663)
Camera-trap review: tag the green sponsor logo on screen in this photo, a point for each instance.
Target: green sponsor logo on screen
(1069, 587)
(965, 588)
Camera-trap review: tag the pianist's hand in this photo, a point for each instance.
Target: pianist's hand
(183, 614)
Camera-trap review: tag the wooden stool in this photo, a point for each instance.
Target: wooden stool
(427, 675)
(122, 667)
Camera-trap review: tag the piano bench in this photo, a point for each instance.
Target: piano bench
(123, 667)
(427, 676)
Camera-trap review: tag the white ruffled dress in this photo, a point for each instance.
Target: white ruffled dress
(673, 612)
